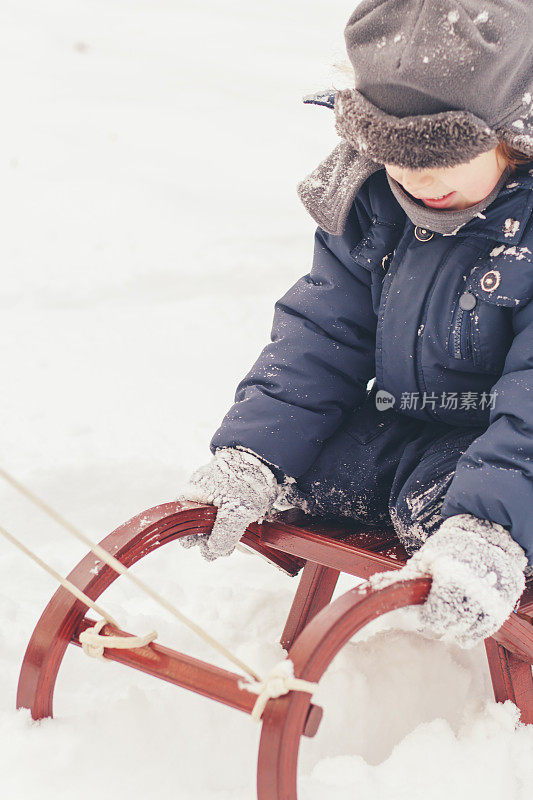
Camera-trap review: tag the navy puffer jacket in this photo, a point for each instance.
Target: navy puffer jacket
(424, 314)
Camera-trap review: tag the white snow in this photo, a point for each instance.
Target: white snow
(483, 16)
(150, 155)
(518, 252)
(511, 226)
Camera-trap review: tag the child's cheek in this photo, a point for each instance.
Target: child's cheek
(476, 190)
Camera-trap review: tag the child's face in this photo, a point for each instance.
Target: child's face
(462, 186)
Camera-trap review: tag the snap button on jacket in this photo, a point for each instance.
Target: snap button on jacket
(423, 235)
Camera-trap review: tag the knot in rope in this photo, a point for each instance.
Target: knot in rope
(93, 643)
(279, 681)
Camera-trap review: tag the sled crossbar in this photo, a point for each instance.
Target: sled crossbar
(190, 673)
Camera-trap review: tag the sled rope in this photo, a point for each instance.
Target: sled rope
(93, 644)
(122, 570)
(63, 581)
(280, 680)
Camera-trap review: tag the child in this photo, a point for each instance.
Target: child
(422, 278)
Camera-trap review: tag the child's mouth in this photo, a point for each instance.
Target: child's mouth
(439, 202)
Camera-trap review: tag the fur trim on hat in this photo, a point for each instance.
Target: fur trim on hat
(517, 137)
(426, 141)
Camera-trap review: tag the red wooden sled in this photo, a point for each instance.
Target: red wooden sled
(314, 633)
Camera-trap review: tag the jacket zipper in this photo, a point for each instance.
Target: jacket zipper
(462, 343)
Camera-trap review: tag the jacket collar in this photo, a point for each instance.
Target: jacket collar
(328, 192)
(506, 218)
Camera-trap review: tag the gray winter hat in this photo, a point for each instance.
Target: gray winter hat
(437, 83)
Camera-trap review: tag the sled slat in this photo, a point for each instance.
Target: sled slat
(342, 555)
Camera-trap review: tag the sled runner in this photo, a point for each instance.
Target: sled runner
(314, 632)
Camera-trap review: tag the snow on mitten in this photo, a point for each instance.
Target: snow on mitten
(477, 572)
(244, 490)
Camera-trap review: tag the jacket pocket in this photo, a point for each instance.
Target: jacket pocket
(481, 329)
(375, 250)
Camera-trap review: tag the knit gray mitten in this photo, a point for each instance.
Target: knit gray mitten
(477, 572)
(244, 490)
